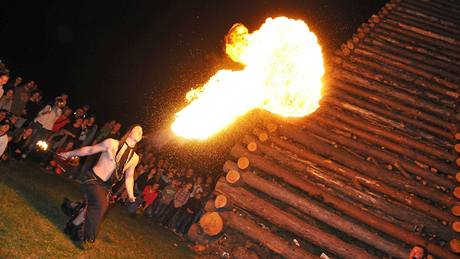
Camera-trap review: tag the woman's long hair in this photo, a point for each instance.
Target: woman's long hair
(126, 135)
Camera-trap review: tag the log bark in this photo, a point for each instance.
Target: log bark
(393, 60)
(426, 14)
(359, 90)
(429, 90)
(348, 100)
(354, 212)
(380, 83)
(378, 116)
(423, 62)
(271, 241)
(410, 19)
(320, 213)
(439, 10)
(415, 35)
(415, 45)
(365, 149)
(423, 31)
(289, 222)
(348, 123)
(370, 199)
(369, 169)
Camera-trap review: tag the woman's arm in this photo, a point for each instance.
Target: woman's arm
(129, 180)
(89, 150)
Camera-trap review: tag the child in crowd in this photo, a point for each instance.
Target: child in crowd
(149, 195)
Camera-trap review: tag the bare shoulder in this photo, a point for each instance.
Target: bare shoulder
(110, 142)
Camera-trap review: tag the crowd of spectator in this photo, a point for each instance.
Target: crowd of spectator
(170, 194)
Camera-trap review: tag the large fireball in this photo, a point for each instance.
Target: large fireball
(283, 67)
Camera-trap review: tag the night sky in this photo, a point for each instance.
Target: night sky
(135, 60)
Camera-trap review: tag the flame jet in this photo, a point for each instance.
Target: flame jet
(283, 67)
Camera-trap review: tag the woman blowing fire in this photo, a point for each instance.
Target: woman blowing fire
(117, 161)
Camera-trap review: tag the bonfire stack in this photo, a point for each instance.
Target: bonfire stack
(374, 171)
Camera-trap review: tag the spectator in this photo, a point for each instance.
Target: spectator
(3, 115)
(167, 195)
(113, 132)
(149, 195)
(63, 120)
(21, 97)
(197, 188)
(13, 84)
(19, 142)
(188, 177)
(70, 132)
(4, 76)
(4, 127)
(7, 100)
(43, 123)
(180, 198)
(187, 214)
(89, 130)
(33, 106)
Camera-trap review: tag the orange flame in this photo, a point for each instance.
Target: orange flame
(283, 67)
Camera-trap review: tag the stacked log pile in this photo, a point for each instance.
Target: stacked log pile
(374, 171)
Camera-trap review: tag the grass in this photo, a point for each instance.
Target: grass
(31, 222)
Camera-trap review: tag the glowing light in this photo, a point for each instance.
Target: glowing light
(42, 145)
(283, 67)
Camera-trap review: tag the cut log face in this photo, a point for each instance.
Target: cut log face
(211, 223)
(232, 176)
(243, 163)
(252, 147)
(220, 201)
(455, 245)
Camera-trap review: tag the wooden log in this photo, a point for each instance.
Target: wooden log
(443, 19)
(454, 245)
(376, 200)
(220, 201)
(365, 149)
(407, 32)
(378, 116)
(354, 212)
(273, 242)
(417, 45)
(413, 150)
(348, 99)
(211, 223)
(364, 77)
(252, 147)
(435, 91)
(438, 9)
(414, 11)
(243, 163)
(277, 216)
(317, 211)
(416, 60)
(360, 90)
(387, 58)
(425, 23)
(423, 31)
(374, 171)
(232, 177)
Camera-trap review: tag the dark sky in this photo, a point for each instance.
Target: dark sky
(135, 60)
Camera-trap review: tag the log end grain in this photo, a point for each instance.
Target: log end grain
(252, 146)
(454, 245)
(455, 210)
(456, 226)
(232, 176)
(243, 163)
(220, 201)
(211, 223)
(457, 192)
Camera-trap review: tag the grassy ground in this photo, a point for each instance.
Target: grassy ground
(31, 222)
